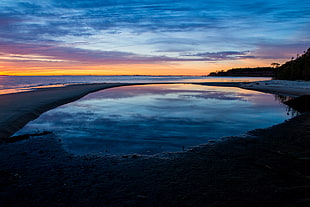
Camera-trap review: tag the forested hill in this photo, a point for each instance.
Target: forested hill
(296, 69)
(247, 72)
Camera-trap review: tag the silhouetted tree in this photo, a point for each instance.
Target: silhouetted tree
(275, 65)
(298, 69)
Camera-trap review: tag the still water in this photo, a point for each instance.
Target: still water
(150, 119)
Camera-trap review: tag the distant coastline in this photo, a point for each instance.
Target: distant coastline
(295, 69)
(247, 72)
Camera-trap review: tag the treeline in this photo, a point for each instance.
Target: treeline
(295, 69)
(247, 72)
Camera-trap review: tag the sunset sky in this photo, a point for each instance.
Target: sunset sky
(148, 37)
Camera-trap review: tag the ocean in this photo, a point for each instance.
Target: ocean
(14, 84)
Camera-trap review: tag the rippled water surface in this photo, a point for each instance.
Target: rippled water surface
(151, 119)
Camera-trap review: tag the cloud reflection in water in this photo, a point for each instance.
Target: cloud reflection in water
(150, 119)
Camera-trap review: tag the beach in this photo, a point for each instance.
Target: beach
(265, 167)
(282, 87)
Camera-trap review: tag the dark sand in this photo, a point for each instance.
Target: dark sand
(268, 167)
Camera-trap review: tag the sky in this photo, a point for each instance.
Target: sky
(148, 37)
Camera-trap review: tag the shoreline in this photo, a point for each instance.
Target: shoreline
(265, 167)
(17, 109)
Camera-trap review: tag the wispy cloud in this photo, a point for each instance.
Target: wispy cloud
(32, 52)
(225, 55)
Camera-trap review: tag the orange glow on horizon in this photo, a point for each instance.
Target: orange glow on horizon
(179, 68)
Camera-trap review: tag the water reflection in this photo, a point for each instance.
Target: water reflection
(289, 110)
(151, 119)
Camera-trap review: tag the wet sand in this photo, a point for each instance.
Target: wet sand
(266, 167)
(19, 108)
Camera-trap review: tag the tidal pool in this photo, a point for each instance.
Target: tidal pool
(150, 119)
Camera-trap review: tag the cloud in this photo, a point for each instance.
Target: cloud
(32, 52)
(161, 15)
(6, 20)
(280, 51)
(13, 52)
(225, 55)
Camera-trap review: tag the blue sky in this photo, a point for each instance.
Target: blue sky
(168, 34)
